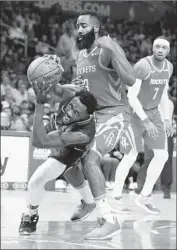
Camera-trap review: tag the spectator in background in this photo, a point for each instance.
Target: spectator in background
(18, 122)
(15, 31)
(21, 94)
(24, 107)
(29, 25)
(47, 109)
(6, 108)
(67, 40)
(13, 79)
(5, 121)
(146, 46)
(2, 92)
(42, 46)
(8, 59)
(31, 95)
(20, 19)
(9, 97)
(4, 46)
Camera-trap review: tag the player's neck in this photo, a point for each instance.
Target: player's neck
(158, 64)
(91, 48)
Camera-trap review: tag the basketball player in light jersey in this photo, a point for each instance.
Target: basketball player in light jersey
(105, 71)
(150, 90)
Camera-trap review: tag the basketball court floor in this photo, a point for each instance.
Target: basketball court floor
(55, 231)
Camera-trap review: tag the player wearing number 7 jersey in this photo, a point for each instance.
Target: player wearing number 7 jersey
(150, 90)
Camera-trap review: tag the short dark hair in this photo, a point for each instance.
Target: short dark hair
(88, 100)
(92, 14)
(162, 37)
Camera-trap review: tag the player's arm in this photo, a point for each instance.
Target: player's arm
(40, 137)
(115, 56)
(53, 140)
(167, 107)
(142, 72)
(165, 100)
(65, 91)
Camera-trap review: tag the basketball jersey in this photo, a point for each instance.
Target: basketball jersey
(153, 85)
(101, 81)
(68, 155)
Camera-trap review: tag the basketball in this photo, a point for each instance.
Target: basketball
(44, 70)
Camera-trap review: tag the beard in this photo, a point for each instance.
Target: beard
(86, 41)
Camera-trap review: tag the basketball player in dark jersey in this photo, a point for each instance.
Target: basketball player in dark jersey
(68, 135)
(105, 71)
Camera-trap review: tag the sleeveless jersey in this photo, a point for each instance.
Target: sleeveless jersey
(103, 82)
(153, 85)
(69, 155)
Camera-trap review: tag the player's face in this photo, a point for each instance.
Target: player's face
(160, 51)
(86, 34)
(75, 111)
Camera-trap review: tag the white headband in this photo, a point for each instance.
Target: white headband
(161, 41)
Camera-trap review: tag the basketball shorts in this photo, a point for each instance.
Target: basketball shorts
(111, 124)
(141, 136)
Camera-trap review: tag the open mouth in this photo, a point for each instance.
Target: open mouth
(80, 38)
(66, 118)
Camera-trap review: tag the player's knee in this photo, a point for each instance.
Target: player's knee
(162, 155)
(32, 184)
(36, 181)
(91, 159)
(74, 176)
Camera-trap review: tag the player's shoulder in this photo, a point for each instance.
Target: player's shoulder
(142, 68)
(105, 55)
(170, 66)
(88, 125)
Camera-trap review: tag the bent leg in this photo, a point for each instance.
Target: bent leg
(49, 170)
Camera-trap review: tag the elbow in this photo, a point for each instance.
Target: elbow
(132, 80)
(36, 144)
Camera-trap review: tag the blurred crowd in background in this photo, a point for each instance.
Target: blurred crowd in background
(28, 31)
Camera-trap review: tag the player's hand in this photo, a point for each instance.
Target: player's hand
(56, 60)
(78, 81)
(104, 42)
(168, 128)
(151, 129)
(41, 92)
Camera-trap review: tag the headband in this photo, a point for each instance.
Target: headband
(161, 41)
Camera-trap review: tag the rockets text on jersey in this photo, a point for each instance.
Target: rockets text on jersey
(103, 82)
(153, 85)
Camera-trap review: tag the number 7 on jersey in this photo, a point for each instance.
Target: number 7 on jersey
(155, 94)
